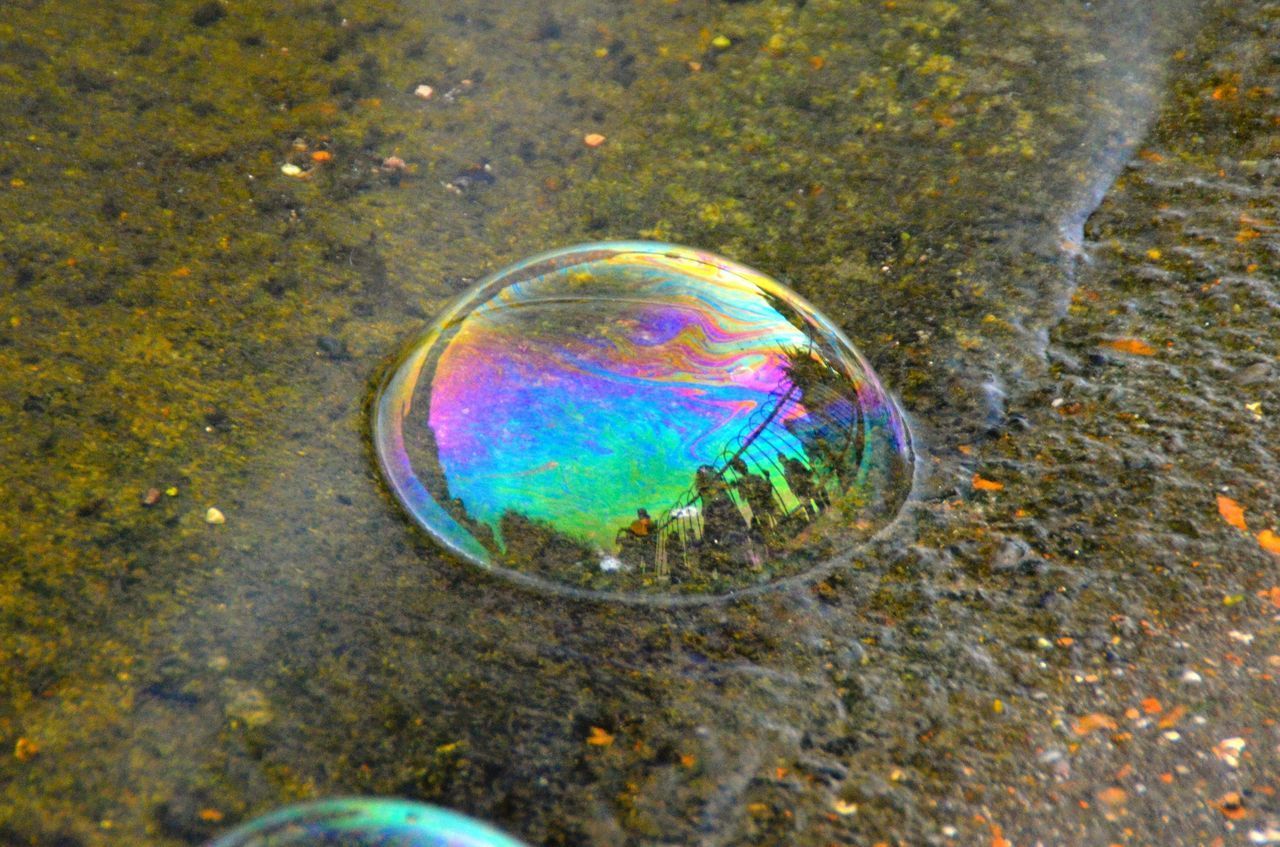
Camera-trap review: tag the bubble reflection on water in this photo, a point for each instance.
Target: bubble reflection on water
(641, 419)
(364, 822)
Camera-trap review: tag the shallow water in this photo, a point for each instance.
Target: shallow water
(182, 316)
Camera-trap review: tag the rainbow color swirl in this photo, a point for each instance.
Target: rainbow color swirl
(364, 822)
(580, 386)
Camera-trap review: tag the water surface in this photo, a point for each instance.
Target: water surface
(188, 326)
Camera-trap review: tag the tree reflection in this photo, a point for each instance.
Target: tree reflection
(797, 455)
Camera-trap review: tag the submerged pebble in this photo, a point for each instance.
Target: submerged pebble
(641, 417)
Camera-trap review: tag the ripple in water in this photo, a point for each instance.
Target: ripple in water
(364, 822)
(641, 419)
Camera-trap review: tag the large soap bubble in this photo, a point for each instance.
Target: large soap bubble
(644, 419)
(364, 822)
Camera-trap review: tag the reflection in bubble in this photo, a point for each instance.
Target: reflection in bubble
(642, 418)
(364, 822)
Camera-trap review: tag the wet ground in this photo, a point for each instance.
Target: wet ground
(1051, 227)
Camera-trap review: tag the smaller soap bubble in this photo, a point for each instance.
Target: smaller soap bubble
(364, 822)
(644, 420)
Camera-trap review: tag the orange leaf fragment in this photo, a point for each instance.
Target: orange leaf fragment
(1232, 806)
(1271, 543)
(1231, 512)
(1170, 720)
(211, 815)
(599, 737)
(997, 837)
(986, 484)
(1096, 720)
(25, 750)
(1152, 706)
(1131, 345)
(1113, 796)
(593, 139)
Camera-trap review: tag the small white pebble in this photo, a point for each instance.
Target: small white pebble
(1242, 637)
(1191, 676)
(843, 807)
(1229, 750)
(423, 92)
(214, 516)
(950, 831)
(1173, 735)
(290, 169)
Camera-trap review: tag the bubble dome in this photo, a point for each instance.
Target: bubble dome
(637, 418)
(364, 822)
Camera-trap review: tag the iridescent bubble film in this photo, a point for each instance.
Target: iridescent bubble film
(641, 418)
(364, 822)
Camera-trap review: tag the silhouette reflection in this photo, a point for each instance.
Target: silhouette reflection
(757, 491)
(792, 460)
(637, 541)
